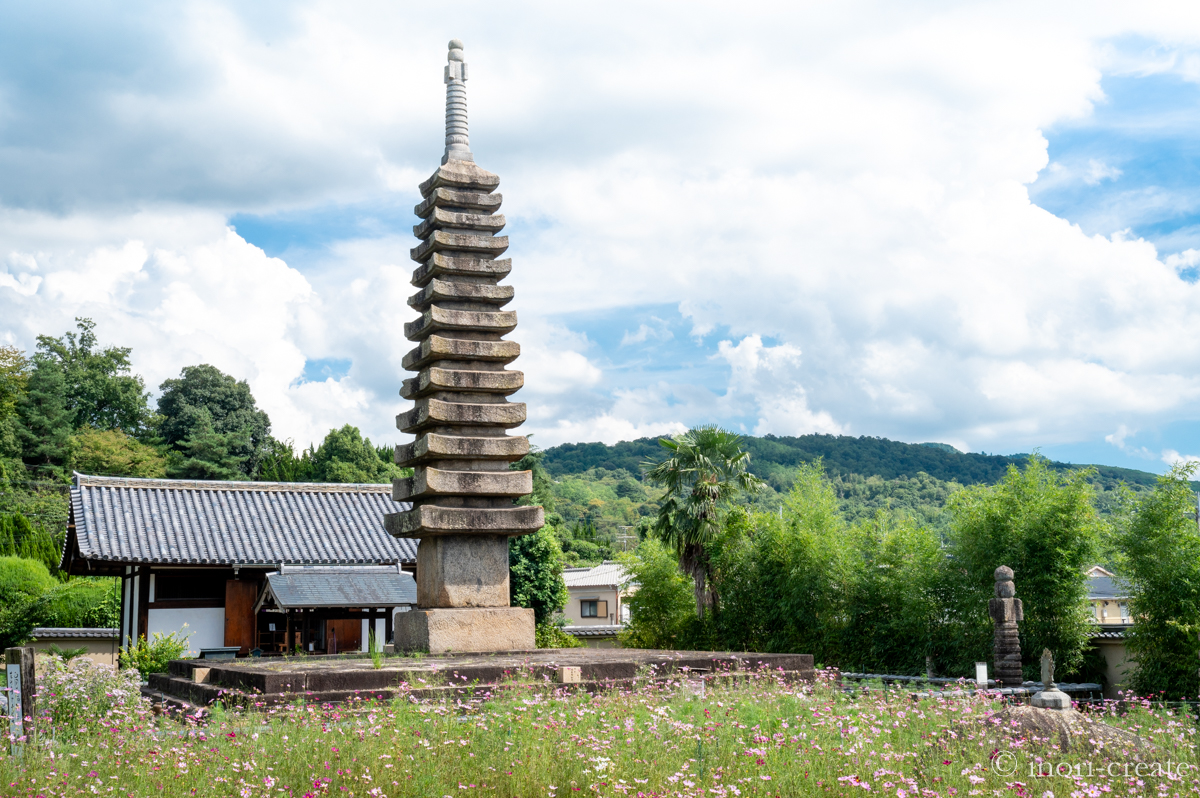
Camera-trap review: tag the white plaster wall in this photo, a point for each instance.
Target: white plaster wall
(206, 626)
(573, 610)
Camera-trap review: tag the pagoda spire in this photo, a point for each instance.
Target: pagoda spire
(461, 495)
(458, 143)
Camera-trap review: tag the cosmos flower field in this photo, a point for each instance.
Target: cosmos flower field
(760, 737)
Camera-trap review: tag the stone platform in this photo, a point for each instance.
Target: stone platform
(191, 684)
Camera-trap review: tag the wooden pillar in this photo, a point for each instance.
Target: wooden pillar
(143, 603)
(22, 687)
(388, 615)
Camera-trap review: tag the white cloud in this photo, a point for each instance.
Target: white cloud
(853, 188)
(1172, 457)
(656, 331)
(1098, 171)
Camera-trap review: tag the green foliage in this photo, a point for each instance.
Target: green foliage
(1042, 524)
(66, 654)
(776, 457)
(22, 580)
(784, 579)
(549, 634)
(81, 602)
(1161, 564)
(374, 650)
(89, 602)
(14, 376)
(114, 453)
(99, 390)
(705, 471)
(662, 609)
(281, 463)
(153, 655)
(344, 456)
(535, 574)
(213, 425)
(45, 423)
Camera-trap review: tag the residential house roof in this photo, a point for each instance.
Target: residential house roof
(362, 586)
(1105, 587)
(120, 520)
(605, 630)
(607, 574)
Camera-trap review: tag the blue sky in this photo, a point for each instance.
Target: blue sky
(975, 224)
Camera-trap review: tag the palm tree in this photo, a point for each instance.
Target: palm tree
(705, 471)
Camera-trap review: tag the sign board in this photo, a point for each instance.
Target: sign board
(981, 674)
(15, 716)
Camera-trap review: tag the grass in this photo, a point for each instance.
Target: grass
(763, 737)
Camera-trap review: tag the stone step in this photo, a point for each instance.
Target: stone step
(437, 347)
(443, 241)
(434, 413)
(449, 198)
(434, 319)
(432, 446)
(431, 380)
(430, 520)
(458, 222)
(427, 482)
(479, 269)
(459, 291)
(460, 175)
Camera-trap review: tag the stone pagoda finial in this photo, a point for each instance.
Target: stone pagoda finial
(1006, 612)
(462, 488)
(458, 143)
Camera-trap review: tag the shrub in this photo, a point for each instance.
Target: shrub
(535, 564)
(152, 656)
(549, 634)
(662, 609)
(22, 579)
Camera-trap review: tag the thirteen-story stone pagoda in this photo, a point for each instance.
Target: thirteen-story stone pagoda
(462, 489)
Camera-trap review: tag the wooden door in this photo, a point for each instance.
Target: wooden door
(239, 614)
(343, 636)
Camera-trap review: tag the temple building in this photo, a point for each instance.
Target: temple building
(244, 567)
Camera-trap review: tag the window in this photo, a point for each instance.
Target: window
(592, 608)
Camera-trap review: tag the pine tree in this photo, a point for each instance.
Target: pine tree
(45, 423)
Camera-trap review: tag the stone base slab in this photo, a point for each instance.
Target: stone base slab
(1051, 699)
(480, 629)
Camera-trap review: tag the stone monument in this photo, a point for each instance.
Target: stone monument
(1050, 697)
(462, 490)
(1006, 612)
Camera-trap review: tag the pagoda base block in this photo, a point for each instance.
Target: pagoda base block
(480, 629)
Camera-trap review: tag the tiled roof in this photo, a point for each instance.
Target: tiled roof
(605, 630)
(342, 587)
(75, 632)
(1105, 587)
(606, 574)
(125, 520)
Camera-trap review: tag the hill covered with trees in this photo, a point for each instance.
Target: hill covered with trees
(776, 458)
